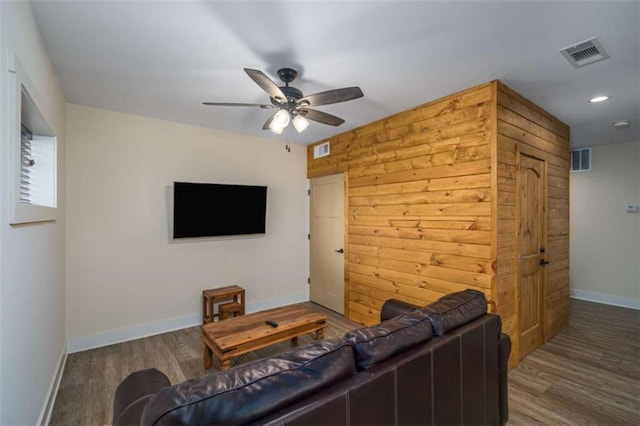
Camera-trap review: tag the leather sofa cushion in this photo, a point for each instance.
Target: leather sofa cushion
(394, 308)
(387, 339)
(253, 390)
(454, 310)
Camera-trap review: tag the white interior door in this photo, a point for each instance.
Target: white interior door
(327, 242)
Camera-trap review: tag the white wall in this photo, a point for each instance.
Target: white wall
(32, 263)
(125, 278)
(605, 241)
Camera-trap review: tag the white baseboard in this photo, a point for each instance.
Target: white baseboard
(607, 299)
(45, 414)
(110, 337)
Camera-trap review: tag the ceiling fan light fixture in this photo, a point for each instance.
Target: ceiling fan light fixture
(280, 121)
(276, 130)
(300, 123)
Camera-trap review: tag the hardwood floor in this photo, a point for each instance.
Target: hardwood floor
(588, 374)
(90, 378)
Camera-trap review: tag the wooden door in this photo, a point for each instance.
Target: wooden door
(327, 242)
(531, 232)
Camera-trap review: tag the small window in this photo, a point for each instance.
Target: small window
(33, 153)
(581, 160)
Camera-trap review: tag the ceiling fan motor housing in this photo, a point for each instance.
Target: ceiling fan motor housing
(291, 93)
(287, 75)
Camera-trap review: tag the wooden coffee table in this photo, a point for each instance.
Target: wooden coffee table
(237, 336)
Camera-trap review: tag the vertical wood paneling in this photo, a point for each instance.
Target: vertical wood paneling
(432, 202)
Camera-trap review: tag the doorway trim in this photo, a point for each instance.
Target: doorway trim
(345, 233)
(345, 192)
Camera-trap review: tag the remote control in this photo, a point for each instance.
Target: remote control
(272, 323)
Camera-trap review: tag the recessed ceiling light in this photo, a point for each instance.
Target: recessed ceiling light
(621, 124)
(599, 99)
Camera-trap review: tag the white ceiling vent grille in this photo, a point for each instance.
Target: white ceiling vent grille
(585, 53)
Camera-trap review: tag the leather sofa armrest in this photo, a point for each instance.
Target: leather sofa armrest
(394, 307)
(504, 350)
(133, 393)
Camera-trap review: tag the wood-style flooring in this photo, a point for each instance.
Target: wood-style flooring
(587, 374)
(90, 378)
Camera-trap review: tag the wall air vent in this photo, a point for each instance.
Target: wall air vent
(585, 53)
(321, 150)
(581, 160)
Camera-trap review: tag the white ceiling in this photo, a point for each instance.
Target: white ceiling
(163, 59)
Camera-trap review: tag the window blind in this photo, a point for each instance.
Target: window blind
(26, 161)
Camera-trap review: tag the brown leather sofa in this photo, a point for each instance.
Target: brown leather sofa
(441, 364)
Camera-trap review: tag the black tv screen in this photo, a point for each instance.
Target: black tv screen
(211, 209)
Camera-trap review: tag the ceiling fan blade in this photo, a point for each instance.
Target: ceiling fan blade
(266, 84)
(236, 104)
(320, 117)
(331, 96)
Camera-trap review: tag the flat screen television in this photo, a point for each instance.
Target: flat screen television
(212, 209)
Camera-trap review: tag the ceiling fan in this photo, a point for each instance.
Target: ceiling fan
(292, 105)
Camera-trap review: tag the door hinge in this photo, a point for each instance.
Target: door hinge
(308, 280)
(309, 192)
(308, 236)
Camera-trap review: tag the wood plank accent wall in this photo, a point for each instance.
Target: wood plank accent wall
(431, 201)
(524, 127)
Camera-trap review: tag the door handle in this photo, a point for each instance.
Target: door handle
(543, 262)
(339, 251)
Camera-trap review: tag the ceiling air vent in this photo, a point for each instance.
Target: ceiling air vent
(585, 53)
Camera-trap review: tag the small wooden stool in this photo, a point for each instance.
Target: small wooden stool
(215, 295)
(228, 310)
